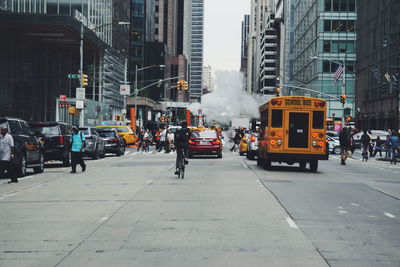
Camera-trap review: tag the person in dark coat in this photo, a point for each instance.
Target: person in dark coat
(344, 145)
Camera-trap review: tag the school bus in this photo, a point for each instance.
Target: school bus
(293, 131)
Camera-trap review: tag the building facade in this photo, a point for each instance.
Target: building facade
(269, 58)
(244, 44)
(42, 49)
(196, 50)
(208, 80)
(325, 38)
(378, 64)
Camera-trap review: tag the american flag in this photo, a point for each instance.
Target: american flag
(338, 73)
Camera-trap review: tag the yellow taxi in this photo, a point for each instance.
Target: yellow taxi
(243, 145)
(124, 131)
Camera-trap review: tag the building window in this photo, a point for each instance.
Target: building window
(328, 5)
(327, 46)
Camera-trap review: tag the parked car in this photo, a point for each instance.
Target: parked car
(29, 151)
(204, 142)
(334, 145)
(333, 134)
(124, 131)
(95, 144)
(243, 144)
(252, 146)
(114, 143)
(56, 140)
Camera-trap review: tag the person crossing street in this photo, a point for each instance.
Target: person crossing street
(77, 146)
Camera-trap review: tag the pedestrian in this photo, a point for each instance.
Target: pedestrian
(146, 141)
(351, 142)
(163, 140)
(236, 140)
(344, 145)
(77, 145)
(378, 147)
(157, 139)
(394, 147)
(365, 142)
(371, 144)
(7, 154)
(388, 151)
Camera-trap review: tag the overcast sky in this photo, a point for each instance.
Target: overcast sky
(222, 33)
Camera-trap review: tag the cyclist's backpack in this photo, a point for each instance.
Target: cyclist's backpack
(365, 139)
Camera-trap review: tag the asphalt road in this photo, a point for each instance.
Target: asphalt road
(133, 211)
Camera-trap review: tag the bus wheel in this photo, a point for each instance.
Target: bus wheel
(314, 165)
(302, 165)
(259, 162)
(267, 164)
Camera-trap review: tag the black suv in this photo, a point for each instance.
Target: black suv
(28, 148)
(114, 143)
(56, 140)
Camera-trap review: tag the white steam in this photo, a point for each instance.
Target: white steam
(228, 100)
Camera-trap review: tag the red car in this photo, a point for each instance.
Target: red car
(205, 142)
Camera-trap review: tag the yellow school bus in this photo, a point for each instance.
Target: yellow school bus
(293, 131)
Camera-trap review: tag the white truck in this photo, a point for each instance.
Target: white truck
(242, 122)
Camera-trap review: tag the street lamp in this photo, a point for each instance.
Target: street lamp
(81, 53)
(136, 91)
(343, 64)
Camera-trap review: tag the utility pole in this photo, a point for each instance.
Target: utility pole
(344, 86)
(81, 115)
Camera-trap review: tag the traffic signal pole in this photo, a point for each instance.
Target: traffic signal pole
(81, 114)
(344, 87)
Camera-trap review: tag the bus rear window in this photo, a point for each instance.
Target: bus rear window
(276, 120)
(318, 119)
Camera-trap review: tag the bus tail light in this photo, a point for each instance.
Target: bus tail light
(279, 134)
(273, 133)
(321, 143)
(321, 135)
(314, 135)
(273, 142)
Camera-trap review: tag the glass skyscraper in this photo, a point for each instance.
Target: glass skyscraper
(325, 36)
(196, 50)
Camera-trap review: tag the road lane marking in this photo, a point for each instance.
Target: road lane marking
(291, 223)
(342, 211)
(244, 165)
(355, 204)
(105, 218)
(149, 182)
(387, 214)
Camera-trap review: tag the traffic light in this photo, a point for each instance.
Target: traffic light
(278, 91)
(343, 98)
(84, 80)
(180, 85)
(185, 85)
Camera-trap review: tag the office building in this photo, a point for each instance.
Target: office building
(378, 64)
(325, 38)
(42, 49)
(196, 50)
(208, 80)
(244, 44)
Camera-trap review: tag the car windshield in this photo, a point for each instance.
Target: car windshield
(107, 134)
(204, 134)
(46, 130)
(85, 131)
(122, 129)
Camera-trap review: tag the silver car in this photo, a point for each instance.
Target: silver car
(95, 145)
(252, 146)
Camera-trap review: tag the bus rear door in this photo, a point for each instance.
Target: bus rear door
(297, 130)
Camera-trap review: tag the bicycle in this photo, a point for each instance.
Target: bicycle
(181, 164)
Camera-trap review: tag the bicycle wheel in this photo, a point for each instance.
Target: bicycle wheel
(183, 171)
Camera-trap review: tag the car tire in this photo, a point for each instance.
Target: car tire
(40, 168)
(21, 167)
(95, 153)
(219, 155)
(302, 165)
(337, 150)
(67, 160)
(259, 162)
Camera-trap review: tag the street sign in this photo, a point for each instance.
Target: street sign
(80, 93)
(62, 98)
(80, 104)
(125, 89)
(73, 76)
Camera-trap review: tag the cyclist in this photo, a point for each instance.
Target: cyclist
(181, 140)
